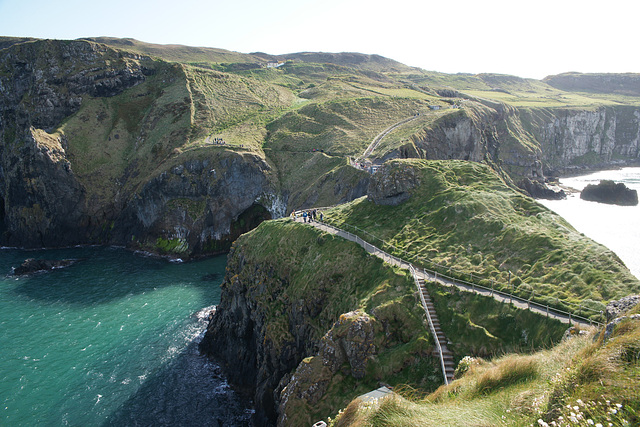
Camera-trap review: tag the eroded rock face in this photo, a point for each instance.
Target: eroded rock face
(42, 199)
(392, 184)
(351, 340)
(42, 83)
(611, 193)
(201, 204)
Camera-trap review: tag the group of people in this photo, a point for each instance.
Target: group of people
(308, 216)
(218, 141)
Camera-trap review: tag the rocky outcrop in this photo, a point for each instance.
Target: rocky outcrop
(31, 265)
(619, 307)
(351, 342)
(200, 205)
(392, 185)
(540, 190)
(610, 193)
(161, 201)
(42, 83)
(279, 333)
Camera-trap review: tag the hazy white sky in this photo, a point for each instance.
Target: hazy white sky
(519, 37)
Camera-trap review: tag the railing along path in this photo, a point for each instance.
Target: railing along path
(434, 276)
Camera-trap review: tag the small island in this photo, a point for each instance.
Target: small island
(611, 193)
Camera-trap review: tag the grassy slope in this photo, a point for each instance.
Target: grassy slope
(585, 378)
(463, 219)
(286, 112)
(291, 262)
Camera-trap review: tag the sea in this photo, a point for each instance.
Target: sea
(616, 227)
(111, 341)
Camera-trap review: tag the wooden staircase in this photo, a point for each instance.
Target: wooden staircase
(447, 356)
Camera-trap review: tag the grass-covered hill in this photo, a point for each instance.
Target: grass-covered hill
(461, 219)
(121, 114)
(320, 321)
(309, 321)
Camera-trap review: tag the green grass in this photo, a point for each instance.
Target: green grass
(463, 220)
(583, 375)
(297, 267)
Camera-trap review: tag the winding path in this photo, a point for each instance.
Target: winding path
(420, 276)
(518, 302)
(382, 134)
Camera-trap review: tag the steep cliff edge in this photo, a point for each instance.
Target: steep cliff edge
(307, 320)
(526, 144)
(94, 145)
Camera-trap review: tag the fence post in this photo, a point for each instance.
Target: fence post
(492, 285)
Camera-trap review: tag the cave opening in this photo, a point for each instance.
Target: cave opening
(252, 217)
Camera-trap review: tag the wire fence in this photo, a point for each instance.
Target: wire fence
(523, 295)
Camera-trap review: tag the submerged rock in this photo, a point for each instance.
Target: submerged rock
(611, 193)
(30, 266)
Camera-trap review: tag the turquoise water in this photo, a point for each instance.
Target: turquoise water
(111, 340)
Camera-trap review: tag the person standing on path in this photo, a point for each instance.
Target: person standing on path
(304, 216)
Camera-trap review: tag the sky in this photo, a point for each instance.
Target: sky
(525, 38)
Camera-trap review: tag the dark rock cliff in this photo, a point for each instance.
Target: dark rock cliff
(53, 191)
(42, 83)
(291, 327)
(531, 144)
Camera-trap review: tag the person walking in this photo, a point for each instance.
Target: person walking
(304, 216)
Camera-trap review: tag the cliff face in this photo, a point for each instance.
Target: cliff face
(531, 143)
(41, 83)
(88, 144)
(590, 137)
(200, 205)
(307, 320)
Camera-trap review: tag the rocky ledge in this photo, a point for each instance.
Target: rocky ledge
(611, 193)
(31, 265)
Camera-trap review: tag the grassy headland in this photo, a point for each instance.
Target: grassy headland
(294, 273)
(463, 220)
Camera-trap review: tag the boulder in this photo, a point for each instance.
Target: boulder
(611, 193)
(619, 307)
